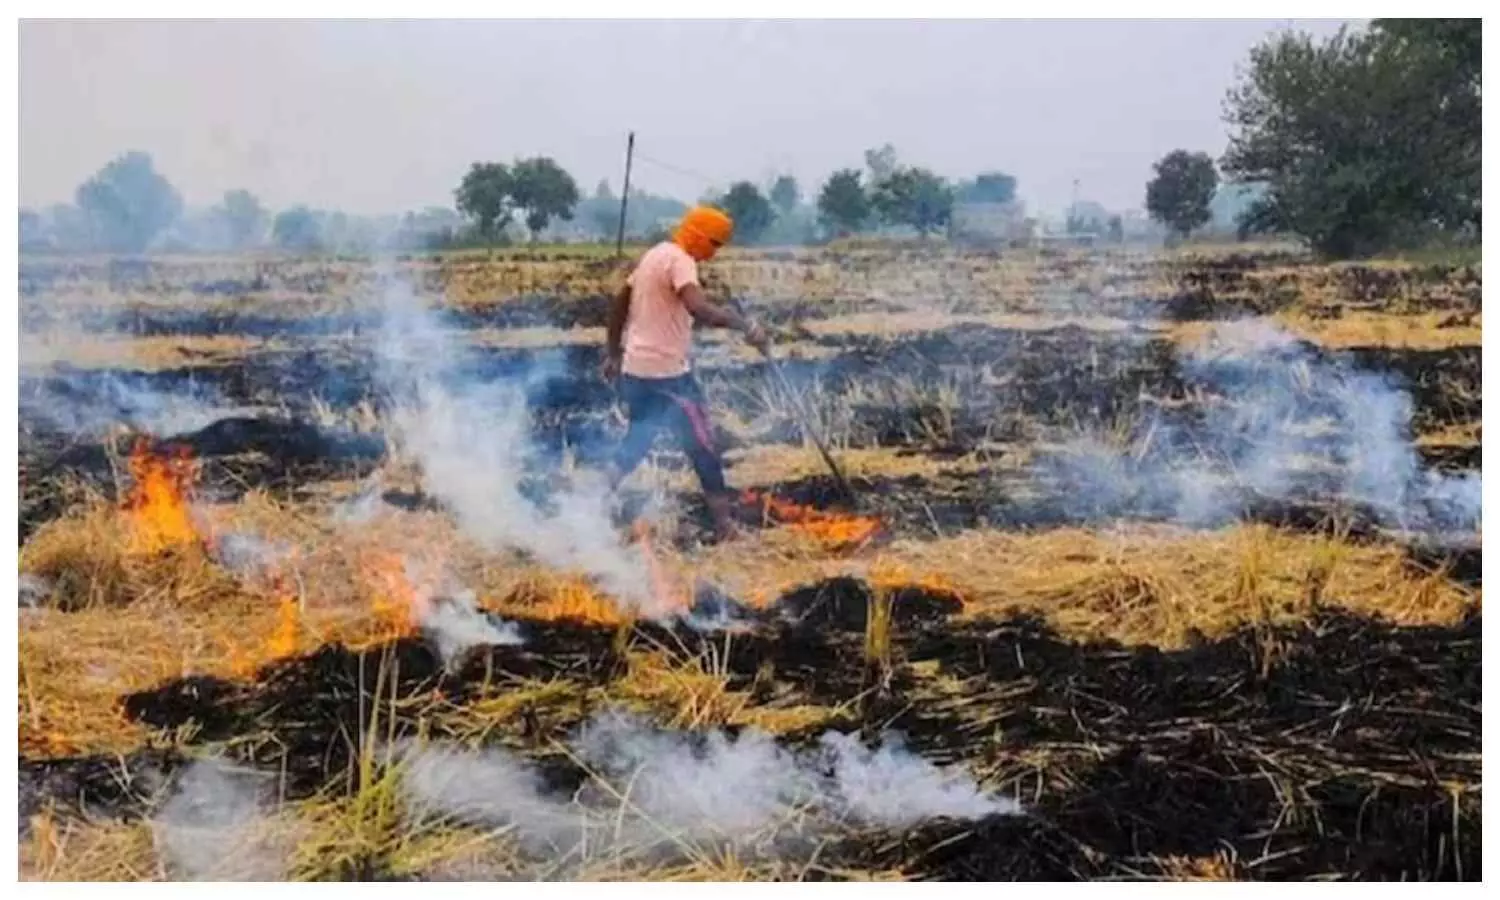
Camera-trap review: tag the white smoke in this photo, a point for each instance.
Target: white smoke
(890, 786)
(455, 625)
(1285, 425)
(361, 508)
(472, 439)
(449, 616)
(719, 619)
(213, 827)
(654, 790)
(249, 555)
(721, 787)
(90, 404)
(489, 787)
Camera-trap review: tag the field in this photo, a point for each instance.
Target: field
(1159, 565)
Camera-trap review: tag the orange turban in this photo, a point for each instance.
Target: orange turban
(702, 231)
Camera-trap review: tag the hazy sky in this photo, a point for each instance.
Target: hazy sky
(386, 116)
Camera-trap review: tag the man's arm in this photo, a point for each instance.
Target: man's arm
(711, 313)
(614, 322)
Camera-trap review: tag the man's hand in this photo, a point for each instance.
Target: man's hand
(610, 368)
(723, 317)
(757, 337)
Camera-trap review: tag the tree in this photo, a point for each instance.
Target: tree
(843, 203)
(484, 196)
(989, 187)
(1231, 203)
(243, 217)
(128, 203)
(543, 191)
(1367, 140)
(749, 209)
(915, 197)
(602, 210)
(1180, 193)
(297, 228)
(881, 162)
(1437, 63)
(785, 195)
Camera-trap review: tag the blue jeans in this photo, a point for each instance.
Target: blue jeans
(677, 405)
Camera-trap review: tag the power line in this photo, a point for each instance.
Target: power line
(679, 170)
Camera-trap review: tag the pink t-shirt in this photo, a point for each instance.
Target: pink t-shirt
(658, 328)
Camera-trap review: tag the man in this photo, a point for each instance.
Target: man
(650, 329)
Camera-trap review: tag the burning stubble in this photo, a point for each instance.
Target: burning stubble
(408, 598)
(159, 502)
(834, 531)
(411, 598)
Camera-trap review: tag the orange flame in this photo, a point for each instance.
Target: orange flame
(573, 597)
(284, 640)
(835, 531)
(398, 605)
(888, 574)
(569, 598)
(159, 499)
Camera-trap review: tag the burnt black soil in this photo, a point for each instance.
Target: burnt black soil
(1445, 385)
(947, 504)
(106, 785)
(312, 713)
(523, 311)
(1060, 380)
(570, 407)
(843, 604)
(1321, 749)
(1224, 288)
(946, 391)
(1332, 760)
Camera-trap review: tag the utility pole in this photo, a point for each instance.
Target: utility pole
(1073, 224)
(625, 196)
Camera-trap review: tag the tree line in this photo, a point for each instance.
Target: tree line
(884, 195)
(539, 192)
(130, 207)
(1363, 142)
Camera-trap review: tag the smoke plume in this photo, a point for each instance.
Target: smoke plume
(1282, 424)
(90, 404)
(472, 440)
(455, 624)
(448, 615)
(213, 827)
(249, 555)
(653, 790)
